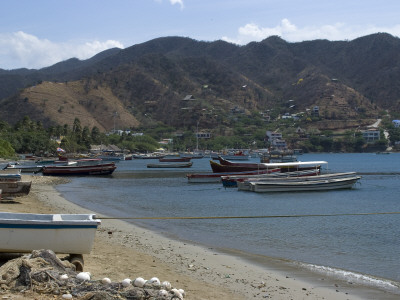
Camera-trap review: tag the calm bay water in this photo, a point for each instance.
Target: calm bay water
(368, 244)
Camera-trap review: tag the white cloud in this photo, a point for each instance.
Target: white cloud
(290, 32)
(23, 50)
(179, 2)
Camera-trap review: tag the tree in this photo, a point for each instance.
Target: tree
(6, 150)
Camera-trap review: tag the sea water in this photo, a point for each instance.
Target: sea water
(365, 246)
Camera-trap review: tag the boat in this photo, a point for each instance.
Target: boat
(147, 156)
(15, 188)
(276, 156)
(309, 185)
(285, 167)
(216, 177)
(83, 167)
(62, 233)
(247, 183)
(10, 175)
(232, 180)
(174, 159)
(171, 165)
(192, 155)
(24, 168)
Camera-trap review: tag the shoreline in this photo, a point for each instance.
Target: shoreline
(124, 250)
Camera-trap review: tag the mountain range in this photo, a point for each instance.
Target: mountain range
(179, 82)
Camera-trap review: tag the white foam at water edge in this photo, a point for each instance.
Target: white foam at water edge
(353, 276)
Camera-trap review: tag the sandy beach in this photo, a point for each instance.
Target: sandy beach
(123, 250)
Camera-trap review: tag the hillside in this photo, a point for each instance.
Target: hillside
(146, 83)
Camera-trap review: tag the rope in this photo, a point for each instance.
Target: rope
(247, 217)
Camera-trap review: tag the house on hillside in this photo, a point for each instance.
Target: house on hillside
(278, 144)
(371, 135)
(273, 135)
(315, 111)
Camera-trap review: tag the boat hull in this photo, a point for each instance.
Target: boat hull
(171, 165)
(15, 188)
(299, 186)
(100, 169)
(70, 234)
(216, 177)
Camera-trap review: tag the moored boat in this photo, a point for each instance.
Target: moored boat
(232, 180)
(285, 167)
(80, 168)
(216, 177)
(171, 165)
(298, 186)
(297, 176)
(174, 159)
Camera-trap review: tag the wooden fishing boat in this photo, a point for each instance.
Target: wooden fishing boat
(285, 167)
(232, 180)
(81, 168)
(24, 168)
(63, 233)
(247, 183)
(171, 165)
(216, 177)
(303, 185)
(10, 175)
(174, 159)
(15, 188)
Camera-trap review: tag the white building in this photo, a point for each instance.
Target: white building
(371, 135)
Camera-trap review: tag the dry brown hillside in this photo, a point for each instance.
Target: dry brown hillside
(94, 105)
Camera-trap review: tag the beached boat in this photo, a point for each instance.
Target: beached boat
(81, 168)
(24, 168)
(63, 233)
(171, 165)
(216, 177)
(15, 188)
(10, 175)
(304, 185)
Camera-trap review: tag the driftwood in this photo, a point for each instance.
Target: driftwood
(41, 272)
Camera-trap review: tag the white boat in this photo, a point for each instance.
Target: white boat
(62, 233)
(232, 180)
(24, 168)
(246, 183)
(304, 185)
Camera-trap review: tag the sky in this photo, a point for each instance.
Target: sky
(39, 33)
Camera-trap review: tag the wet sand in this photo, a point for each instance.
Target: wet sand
(123, 250)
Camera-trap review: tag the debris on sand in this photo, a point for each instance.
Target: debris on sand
(42, 272)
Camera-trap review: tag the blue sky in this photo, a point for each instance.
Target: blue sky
(39, 33)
